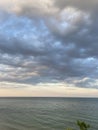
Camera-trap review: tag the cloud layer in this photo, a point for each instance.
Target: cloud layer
(49, 41)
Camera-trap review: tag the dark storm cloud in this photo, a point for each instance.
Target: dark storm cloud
(49, 41)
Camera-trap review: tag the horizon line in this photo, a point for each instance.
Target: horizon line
(42, 97)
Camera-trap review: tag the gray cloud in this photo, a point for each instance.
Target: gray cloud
(49, 41)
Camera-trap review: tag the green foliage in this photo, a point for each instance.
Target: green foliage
(82, 125)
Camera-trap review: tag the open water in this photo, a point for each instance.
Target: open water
(47, 113)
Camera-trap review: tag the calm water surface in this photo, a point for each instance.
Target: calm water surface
(47, 113)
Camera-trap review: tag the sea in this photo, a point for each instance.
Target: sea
(44, 113)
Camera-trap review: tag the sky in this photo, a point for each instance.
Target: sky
(49, 48)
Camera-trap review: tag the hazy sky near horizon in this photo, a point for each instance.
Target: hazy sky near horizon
(49, 48)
